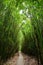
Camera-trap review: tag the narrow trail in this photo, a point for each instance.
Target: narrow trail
(21, 59)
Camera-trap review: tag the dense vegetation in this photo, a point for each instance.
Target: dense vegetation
(21, 28)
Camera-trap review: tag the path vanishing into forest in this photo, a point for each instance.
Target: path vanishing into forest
(21, 59)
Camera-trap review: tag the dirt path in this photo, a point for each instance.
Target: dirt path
(21, 59)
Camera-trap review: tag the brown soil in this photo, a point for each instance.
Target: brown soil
(28, 60)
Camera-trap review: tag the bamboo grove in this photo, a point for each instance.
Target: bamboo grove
(21, 28)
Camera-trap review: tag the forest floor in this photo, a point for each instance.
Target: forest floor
(26, 60)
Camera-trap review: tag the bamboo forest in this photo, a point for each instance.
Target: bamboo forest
(21, 32)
